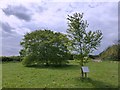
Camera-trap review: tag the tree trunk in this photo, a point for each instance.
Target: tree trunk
(82, 72)
(47, 63)
(81, 68)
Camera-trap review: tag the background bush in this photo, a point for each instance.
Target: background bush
(10, 58)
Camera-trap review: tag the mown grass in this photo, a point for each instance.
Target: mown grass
(101, 75)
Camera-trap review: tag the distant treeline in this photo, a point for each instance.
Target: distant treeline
(111, 53)
(19, 58)
(94, 56)
(10, 58)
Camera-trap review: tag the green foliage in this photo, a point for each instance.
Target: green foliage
(94, 56)
(44, 47)
(82, 42)
(28, 60)
(84, 62)
(111, 53)
(10, 58)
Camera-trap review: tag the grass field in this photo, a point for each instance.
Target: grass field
(101, 75)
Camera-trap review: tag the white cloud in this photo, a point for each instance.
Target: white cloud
(85, 1)
(22, 30)
(52, 15)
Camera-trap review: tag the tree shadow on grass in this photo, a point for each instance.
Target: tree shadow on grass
(63, 67)
(95, 83)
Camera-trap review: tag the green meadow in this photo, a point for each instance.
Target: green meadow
(102, 75)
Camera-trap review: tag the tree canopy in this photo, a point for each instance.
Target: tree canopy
(48, 47)
(82, 42)
(44, 47)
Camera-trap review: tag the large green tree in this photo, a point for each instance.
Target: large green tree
(44, 47)
(83, 42)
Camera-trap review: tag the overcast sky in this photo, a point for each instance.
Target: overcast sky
(19, 18)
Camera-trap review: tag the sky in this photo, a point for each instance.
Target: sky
(19, 17)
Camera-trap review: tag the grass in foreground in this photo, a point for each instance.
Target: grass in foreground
(101, 75)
